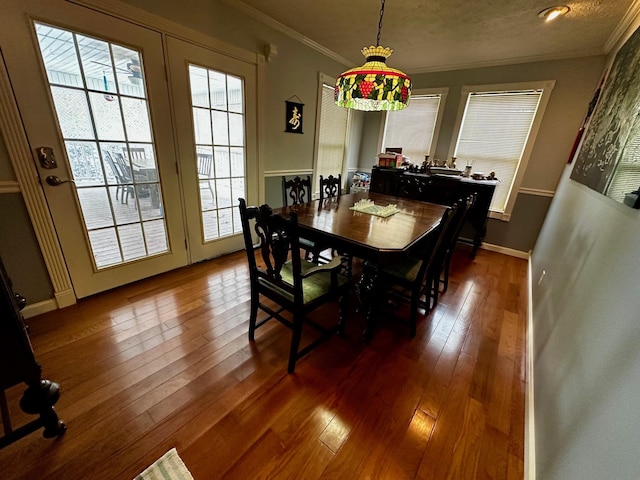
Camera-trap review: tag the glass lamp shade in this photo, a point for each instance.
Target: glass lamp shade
(373, 86)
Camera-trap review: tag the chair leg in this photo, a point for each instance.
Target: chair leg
(295, 342)
(255, 299)
(343, 303)
(446, 275)
(435, 289)
(413, 320)
(347, 260)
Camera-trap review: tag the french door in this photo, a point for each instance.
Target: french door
(215, 98)
(93, 93)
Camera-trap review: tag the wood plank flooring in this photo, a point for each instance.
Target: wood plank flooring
(166, 363)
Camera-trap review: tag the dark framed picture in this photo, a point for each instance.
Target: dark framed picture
(609, 157)
(294, 117)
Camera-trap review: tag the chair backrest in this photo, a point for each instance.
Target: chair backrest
(205, 164)
(123, 165)
(465, 206)
(298, 190)
(136, 153)
(118, 171)
(277, 238)
(430, 251)
(330, 186)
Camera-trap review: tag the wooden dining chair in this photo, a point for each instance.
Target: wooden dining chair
(442, 264)
(406, 280)
(138, 156)
(205, 167)
(294, 284)
(330, 187)
(295, 192)
(123, 178)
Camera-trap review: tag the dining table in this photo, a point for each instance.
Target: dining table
(378, 240)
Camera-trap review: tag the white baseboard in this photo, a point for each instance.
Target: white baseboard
(529, 412)
(38, 308)
(507, 251)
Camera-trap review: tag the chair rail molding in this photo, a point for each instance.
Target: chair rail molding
(9, 186)
(287, 173)
(536, 191)
(21, 159)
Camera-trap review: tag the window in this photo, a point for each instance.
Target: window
(414, 129)
(626, 178)
(331, 134)
(496, 133)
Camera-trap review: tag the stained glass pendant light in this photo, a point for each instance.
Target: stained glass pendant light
(373, 86)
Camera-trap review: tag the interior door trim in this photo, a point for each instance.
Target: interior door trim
(22, 160)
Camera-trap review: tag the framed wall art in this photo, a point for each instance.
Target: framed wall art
(609, 158)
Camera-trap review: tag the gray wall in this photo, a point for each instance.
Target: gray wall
(586, 337)
(576, 80)
(293, 71)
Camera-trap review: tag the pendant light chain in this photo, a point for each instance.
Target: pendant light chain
(380, 24)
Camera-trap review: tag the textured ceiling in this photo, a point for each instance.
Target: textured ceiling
(429, 35)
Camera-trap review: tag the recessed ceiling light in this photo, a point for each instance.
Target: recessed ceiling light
(553, 12)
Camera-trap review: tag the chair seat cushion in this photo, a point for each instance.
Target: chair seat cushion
(313, 287)
(406, 269)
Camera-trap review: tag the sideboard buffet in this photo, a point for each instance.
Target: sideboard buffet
(443, 189)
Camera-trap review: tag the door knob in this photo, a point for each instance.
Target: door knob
(54, 181)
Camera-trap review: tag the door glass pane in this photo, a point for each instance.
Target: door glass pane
(98, 92)
(107, 116)
(73, 113)
(219, 137)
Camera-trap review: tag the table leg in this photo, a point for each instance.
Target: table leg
(368, 290)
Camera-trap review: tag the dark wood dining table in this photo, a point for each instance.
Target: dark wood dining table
(378, 240)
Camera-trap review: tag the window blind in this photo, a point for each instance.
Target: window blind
(494, 132)
(413, 128)
(626, 178)
(332, 135)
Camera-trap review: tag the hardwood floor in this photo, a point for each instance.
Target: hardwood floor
(166, 362)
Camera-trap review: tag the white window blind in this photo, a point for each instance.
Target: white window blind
(626, 178)
(493, 135)
(332, 136)
(413, 128)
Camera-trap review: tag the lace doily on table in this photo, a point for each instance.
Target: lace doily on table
(368, 206)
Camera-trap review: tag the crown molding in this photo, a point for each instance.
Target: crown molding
(505, 62)
(290, 32)
(623, 30)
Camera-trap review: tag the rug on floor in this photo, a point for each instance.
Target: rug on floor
(168, 467)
